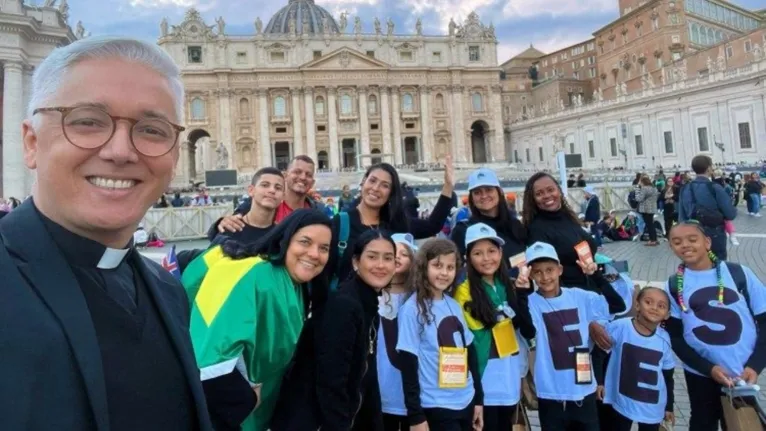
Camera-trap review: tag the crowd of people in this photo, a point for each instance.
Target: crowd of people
(372, 319)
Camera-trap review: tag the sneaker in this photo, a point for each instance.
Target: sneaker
(757, 215)
(734, 240)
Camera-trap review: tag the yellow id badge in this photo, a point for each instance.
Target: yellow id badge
(505, 338)
(453, 367)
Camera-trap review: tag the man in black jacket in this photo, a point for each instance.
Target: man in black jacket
(94, 335)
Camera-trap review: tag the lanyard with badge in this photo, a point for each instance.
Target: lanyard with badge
(453, 362)
(503, 332)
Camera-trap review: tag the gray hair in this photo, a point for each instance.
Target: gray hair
(51, 72)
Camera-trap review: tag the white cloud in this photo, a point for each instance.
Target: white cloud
(532, 8)
(446, 9)
(546, 43)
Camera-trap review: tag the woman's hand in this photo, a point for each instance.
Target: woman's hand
(749, 376)
(478, 418)
(599, 335)
(449, 177)
(423, 426)
(587, 268)
(232, 223)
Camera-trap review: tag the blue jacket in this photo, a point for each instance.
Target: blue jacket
(720, 200)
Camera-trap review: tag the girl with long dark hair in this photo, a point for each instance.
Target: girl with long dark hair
(493, 312)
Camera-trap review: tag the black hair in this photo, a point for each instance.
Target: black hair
(392, 215)
(366, 238)
(701, 163)
(480, 307)
(530, 209)
(691, 223)
(645, 289)
(507, 225)
(265, 171)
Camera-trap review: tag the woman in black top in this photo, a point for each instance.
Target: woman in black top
(381, 206)
(549, 219)
(347, 382)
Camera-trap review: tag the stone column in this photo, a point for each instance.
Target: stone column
(427, 137)
(364, 125)
(183, 168)
(14, 174)
(397, 125)
(30, 176)
(459, 152)
(224, 125)
(385, 115)
(496, 106)
(298, 147)
(311, 148)
(263, 127)
(332, 120)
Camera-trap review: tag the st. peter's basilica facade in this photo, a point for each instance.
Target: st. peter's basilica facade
(305, 83)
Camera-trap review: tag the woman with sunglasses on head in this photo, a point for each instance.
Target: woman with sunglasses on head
(717, 323)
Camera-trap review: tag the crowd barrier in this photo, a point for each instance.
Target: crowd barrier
(187, 223)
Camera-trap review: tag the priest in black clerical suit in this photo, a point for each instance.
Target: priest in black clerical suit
(94, 336)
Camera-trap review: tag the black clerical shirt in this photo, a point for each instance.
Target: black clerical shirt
(146, 387)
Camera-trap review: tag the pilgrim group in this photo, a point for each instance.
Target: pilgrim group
(366, 320)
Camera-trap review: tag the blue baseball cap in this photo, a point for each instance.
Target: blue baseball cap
(482, 177)
(541, 250)
(406, 239)
(480, 231)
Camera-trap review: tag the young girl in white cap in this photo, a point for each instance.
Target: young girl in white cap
(493, 312)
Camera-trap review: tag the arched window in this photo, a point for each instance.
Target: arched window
(244, 108)
(703, 36)
(346, 107)
(476, 102)
(439, 103)
(319, 106)
(197, 109)
(710, 36)
(372, 105)
(408, 104)
(695, 34)
(280, 108)
(718, 36)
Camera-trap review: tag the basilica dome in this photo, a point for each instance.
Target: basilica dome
(306, 14)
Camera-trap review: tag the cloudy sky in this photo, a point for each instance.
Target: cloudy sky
(548, 24)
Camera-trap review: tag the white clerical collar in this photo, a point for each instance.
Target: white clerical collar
(112, 258)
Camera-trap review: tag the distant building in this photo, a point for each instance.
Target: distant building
(345, 95)
(604, 97)
(27, 35)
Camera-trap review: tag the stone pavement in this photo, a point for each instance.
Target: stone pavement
(647, 265)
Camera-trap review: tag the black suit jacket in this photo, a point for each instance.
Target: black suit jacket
(51, 375)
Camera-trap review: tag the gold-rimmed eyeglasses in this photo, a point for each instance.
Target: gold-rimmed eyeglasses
(90, 127)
